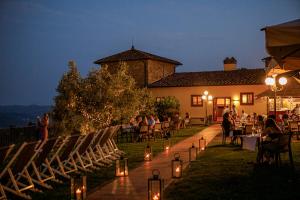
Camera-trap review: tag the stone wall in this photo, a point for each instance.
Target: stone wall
(157, 70)
(135, 68)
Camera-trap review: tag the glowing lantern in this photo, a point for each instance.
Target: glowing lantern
(193, 151)
(122, 166)
(148, 153)
(202, 144)
(78, 188)
(155, 186)
(167, 144)
(176, 166)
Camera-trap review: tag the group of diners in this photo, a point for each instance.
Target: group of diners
(150, 126)
(272, 135)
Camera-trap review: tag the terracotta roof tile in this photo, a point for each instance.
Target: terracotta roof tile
(134, 54)
(213, 78)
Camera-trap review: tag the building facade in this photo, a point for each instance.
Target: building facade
(228, 87)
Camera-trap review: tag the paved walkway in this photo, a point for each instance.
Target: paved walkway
(134, 187)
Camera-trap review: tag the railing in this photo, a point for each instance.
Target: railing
(16, 135)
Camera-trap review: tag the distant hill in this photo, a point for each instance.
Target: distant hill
(16, 115)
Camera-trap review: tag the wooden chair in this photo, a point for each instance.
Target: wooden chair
(104, 147)
(144, 130)
(15, 174)
(280, 145)
(59, 162)
(4, 152)
(294, 128)
(248, 129)
(158, 130)
(96, 152)
(112, 143)
(41, 170)
(80, 154)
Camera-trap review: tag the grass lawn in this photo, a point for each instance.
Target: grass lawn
(135, 153)
(227, 172)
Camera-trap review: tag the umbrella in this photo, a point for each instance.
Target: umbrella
(283, 44)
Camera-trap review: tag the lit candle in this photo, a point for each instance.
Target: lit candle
(177, 169)
(167, 147)
(147, 155)
(156, 196)
(78, 194)
(122, 173)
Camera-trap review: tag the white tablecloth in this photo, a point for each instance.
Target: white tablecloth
(249, 142)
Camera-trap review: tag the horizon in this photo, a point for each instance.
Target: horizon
(40, 37)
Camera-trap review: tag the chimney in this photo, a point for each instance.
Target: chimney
(229, 64)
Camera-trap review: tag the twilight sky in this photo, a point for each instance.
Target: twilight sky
(38, 37)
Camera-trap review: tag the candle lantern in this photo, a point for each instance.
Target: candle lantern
(78, 187)
(122, 166)
(193, 151)
(176, 166)
(202, 144)
(148, 153)
(167, 144)
(155, 186)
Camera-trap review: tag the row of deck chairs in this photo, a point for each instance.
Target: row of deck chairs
(35, 164)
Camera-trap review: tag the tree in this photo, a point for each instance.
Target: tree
(66, 112)
(100, 99)
(167, 106)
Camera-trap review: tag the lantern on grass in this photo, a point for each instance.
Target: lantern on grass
(193, 151)
(122, 166)
(167, 144)
(148, 153)
(155, 186)
(202, 144)
(176, 166)
(78, 187)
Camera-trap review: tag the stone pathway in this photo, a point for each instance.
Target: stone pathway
(134, 187)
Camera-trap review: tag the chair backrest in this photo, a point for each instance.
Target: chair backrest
(144, 129)
(86, 143)
(248, 129)
(166, 124)
(97, 138)
(4, 152)
(69, 146)
(293, 126)
(114, 131)
(45, 151)
(157, 126)
(284, 142)
(105, 136)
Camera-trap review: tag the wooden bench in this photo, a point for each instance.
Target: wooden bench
(197, 121)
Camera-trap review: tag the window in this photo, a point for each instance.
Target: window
(247, 98)
(196, 100)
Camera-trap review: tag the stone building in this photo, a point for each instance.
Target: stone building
(233, 85)
(146, 68)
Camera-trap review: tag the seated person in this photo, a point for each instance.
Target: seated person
(151, 121)
(271, 134)
(243, 116)
(157, 121)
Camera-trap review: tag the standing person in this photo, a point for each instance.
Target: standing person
(226, 110)
(234, 110)
(44, 127)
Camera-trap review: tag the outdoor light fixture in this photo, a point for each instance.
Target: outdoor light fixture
(202, 144)
(78, 187)
(155, 186)
(272, 82)
(122, 166)
(193, 151)
(167, 144)
(176, 166)
(148, 153)
(207, 98)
